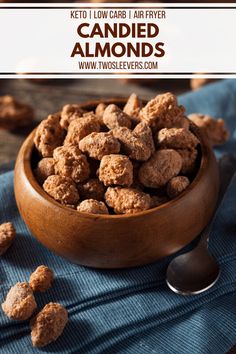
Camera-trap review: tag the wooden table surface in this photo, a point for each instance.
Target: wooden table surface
(49, 96)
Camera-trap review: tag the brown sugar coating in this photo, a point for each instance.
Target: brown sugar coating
(92, 206)
(97, 145)
(14, 114)
(70, 162)
(213, 129)
(143, 131)
(114, 117)
(44, 169)
(132, 145)
(81, 127)
(176, 138)
(116, 170)
(176, 186)
(48, 324)
(41, 279)
(160, 168)
(139, 148)
(189, 157)
(62, 189)
(133, 107)
(127, 200)
(49, 135)
(162, 112)
(69, 113)
(20, 302)
(7, 236)
(91, 189)
(100, 111)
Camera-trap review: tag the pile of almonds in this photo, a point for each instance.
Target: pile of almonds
(120, 161)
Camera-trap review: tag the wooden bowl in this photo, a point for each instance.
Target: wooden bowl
(116, 241)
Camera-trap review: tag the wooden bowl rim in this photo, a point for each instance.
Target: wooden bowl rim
(28, 145)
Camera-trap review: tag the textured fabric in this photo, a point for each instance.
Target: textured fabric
(132, 310)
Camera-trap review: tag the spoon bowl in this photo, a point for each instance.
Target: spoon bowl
(193, 272)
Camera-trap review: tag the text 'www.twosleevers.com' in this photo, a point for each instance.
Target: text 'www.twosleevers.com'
(121, 65)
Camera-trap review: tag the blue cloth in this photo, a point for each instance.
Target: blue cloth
(132, 310)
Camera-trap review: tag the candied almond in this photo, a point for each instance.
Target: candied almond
(49, 135)
(81, 127)
(127, 200)
(143, 131)
(97, 145)
(48, 324)
(70, 162)
(116, 170)
(114, 117)
(41, 279)
(132, 145)
(69, 113)
(7, 236)
(62, 189)
(162, 111)
(133, 107)
(160, 168)
(45, 168)
(92, 206)
(20, 302)
(177, 185)
(176, 138)
(99, 111)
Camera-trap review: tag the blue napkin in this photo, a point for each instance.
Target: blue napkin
(132, 310)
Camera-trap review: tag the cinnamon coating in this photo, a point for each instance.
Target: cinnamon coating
(176, 138)
(41, 279)
(114, 117)
(160, 168)
(48, 324)
(62, 189)
(20, 302)
(92, 206)
(44, 169)
(116, 170)
(176, 186)
(133, 107)
(132, 144)
(69, 113)
(127, 200)
(100, 109)
(81, 127)
(139, 148)
(97, 145)
(49, 135)
(162, 112)
(70, 162)
(7, 236)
